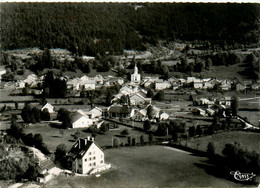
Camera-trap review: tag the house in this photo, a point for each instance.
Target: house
(240, 87)
(190, 80)
(49, 107)
(225, 85)
(94, 113)
(140, 115)
(99, 79)
(43, 168)
(210, 111)
(204, 101)
(161, 85)
(73, 84)
(90, 85)
(2, 71)
(87, 157)
(164, 116)
(138, 99)
(20, 84)
(120, 81)
(208, 84)
(80, 121)
(117, 110)
(201, 112)
(255, 86)
(198, 84)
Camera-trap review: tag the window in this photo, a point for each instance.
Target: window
(90, 158)
(94, 164)
(101, 161)
(94, 158)
(89, 164)
(86, 159)
(89, 153)
(80, 166)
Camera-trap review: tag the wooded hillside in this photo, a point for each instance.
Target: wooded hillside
(91, 28)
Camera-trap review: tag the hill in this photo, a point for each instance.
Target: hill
(91, 28)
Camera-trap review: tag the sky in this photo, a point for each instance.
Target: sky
(139, 1)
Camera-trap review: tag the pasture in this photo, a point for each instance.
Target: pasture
(150, 166)
(247, 139)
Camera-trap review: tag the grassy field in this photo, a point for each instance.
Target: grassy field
(54, 136)
(150, 166)
(249, 139)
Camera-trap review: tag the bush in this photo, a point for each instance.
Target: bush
(211, 148)
(124, 132)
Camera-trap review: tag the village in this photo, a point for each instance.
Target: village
(101, 112)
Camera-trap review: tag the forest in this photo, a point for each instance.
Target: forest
(99, 28)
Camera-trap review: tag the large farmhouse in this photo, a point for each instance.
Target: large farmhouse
(87, 157)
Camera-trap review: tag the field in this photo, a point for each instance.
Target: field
(150, 166)
(54, 136)
(248, 139)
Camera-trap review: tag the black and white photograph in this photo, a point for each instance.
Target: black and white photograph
(129, 94)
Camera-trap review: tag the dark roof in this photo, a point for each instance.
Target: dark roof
(119, 109)
(46, 164)
(78, 152)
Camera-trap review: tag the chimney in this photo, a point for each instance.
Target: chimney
(86, 141)
(88, 138)
(92, 139)
(79, 143)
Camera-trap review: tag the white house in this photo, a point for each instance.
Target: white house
(90, 85)
(137, 99)
(198, 84)
(94, 113)
(87, 157)
(43, 168)
(49, 107)
(164, 116)
(225, 85)
(161, 85)
(140, 115)
(80, 121)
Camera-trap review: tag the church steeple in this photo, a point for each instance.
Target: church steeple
(135, 77)
(136, 70)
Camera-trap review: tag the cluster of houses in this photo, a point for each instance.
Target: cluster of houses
(210, 105)
(198, 83)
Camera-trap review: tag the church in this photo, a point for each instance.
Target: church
(135, 77)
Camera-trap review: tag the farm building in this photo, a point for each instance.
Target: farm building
(87, 157)
(49, 107)
(80, 121)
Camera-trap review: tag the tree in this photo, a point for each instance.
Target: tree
(198, 130)
(211, 148)
(150, 112)
(60, 152)
(159, 96)
(31, 173)
(133, 141)
(115, 142)
(192, 131)
(36, 115)
(150, 93)
(104, 127)
(147, 125)
(27, 114)
(161, 129)
(129, 140)
(150, 138)
(142, 140)
(124, 132)
(175, 136)
(64, 116)
(45, 115)
(38, 141)
(16, 105)
(234, 105)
